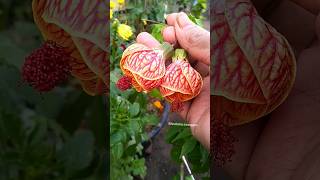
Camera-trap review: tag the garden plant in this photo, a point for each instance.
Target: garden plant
(51, 125)
(142, 92)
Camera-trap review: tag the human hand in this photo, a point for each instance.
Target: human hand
(285, 145)
(196, 41)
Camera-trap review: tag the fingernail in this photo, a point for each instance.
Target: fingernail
(183, 20)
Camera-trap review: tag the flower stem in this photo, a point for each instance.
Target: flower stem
(152, 21)
(167, 50)
(179, 54)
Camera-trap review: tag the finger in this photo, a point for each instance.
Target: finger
(169, 35)
(171, 19)
(148, 40)
(183, 20)
(199, 114)
(194, 39)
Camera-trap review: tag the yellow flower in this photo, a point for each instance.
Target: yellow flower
(144, 22)
(158, 105)
(121, 2)
(124, 31)
(112, 5)
(111, 14)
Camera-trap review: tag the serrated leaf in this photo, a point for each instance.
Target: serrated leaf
(117, 150)
(138, 167)
(117, 137)
(134, 109)
(133, 126)
(175, 153)
(172, 133)
(185, 133)
(150, 119)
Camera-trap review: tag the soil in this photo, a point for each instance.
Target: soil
(159, 163)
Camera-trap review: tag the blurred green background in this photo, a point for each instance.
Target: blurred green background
(56, 135)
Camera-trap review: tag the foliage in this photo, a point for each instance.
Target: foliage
(129, 119)
(55, 135)
(183, 143)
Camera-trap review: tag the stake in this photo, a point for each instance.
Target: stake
(188, 168)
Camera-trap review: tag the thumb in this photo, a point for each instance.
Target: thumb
(194, 39)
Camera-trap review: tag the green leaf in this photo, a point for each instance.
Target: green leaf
(134, 109)
(204, 154)
(176, 177)
(195, 20)
(39, 131)
(175, 153)
(156, 30)
(117, 137)
(77, 153)
(138, 167)
(172, 133)
(131, 150)
(188, 146)
(150, 119)
(117, 150)
(133, 126)
(185, 133)
(113, 77)
(12, 53)
(155, 93)
(11, 128)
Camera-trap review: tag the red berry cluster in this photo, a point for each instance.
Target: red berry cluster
(46, 67)
(124, 83)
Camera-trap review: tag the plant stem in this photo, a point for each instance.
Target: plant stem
(182, 171)
(152, 21)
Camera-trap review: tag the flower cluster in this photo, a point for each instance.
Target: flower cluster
(124, 31)
(144, 68)
(46, 67)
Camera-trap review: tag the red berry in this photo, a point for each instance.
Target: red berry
(123, 46)
(124, 83)
(46, 67)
